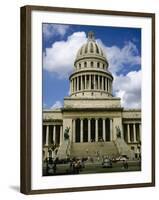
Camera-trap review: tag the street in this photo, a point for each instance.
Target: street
(90, 168)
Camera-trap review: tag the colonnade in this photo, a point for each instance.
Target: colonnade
(132, 132)
(52, 134)
(89, 82)
(92, 130)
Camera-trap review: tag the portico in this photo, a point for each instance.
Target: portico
(92, 129)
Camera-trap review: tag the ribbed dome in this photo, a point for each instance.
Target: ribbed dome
(90, 49)
(91, 77)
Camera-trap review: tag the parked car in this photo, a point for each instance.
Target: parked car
(107, 163)
(122, 158)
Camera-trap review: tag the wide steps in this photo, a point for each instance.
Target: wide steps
(94, 149)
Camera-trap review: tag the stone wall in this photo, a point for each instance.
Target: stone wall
(91, 103)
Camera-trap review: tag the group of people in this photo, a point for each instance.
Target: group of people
(77, 165)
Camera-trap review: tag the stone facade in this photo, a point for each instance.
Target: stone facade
(91, 113)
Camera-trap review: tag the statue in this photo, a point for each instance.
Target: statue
(118, 132)
(66, 133)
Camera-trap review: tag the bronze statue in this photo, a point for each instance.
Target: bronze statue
(66, 133)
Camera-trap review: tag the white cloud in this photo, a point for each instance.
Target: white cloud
(119, 57)
(56, 105)
(50, 30)
(128, 88)
(60, 57)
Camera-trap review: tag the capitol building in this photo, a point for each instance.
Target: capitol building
(92, 121)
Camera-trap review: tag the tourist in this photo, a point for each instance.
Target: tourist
(125, 164)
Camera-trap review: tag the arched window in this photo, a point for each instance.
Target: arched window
(91, 64)
(85, 64)
(103, 66)
(98, 64)
(80, 66)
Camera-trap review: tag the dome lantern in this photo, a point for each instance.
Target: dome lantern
(91, 36)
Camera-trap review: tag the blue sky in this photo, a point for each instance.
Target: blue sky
(122, 47)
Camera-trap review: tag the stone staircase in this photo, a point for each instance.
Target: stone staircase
(93, 149)
(123, 148)
(64, 150)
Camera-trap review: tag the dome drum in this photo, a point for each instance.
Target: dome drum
(91, 63)
(90, 84)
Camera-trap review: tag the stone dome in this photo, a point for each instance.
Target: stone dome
(91, 77)
(90, 49)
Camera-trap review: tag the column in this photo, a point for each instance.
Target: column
(98, 82)
(54, 134)
(140, 132)
(81, 83)
(70, 91)
(81, 133)
(61, 134)
(75, 85)
(134, 131)
(85, 82)
(104, 130)
(96, 131)
(72, 86)
(111, 130)
(73, 130)
(109, 86)
(128, 132)
(106, 84)
(89, 82)
(78, 83)
(89, 130)
(47, 135)
(102, 83)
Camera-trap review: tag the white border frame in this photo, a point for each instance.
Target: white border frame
(39, 182)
